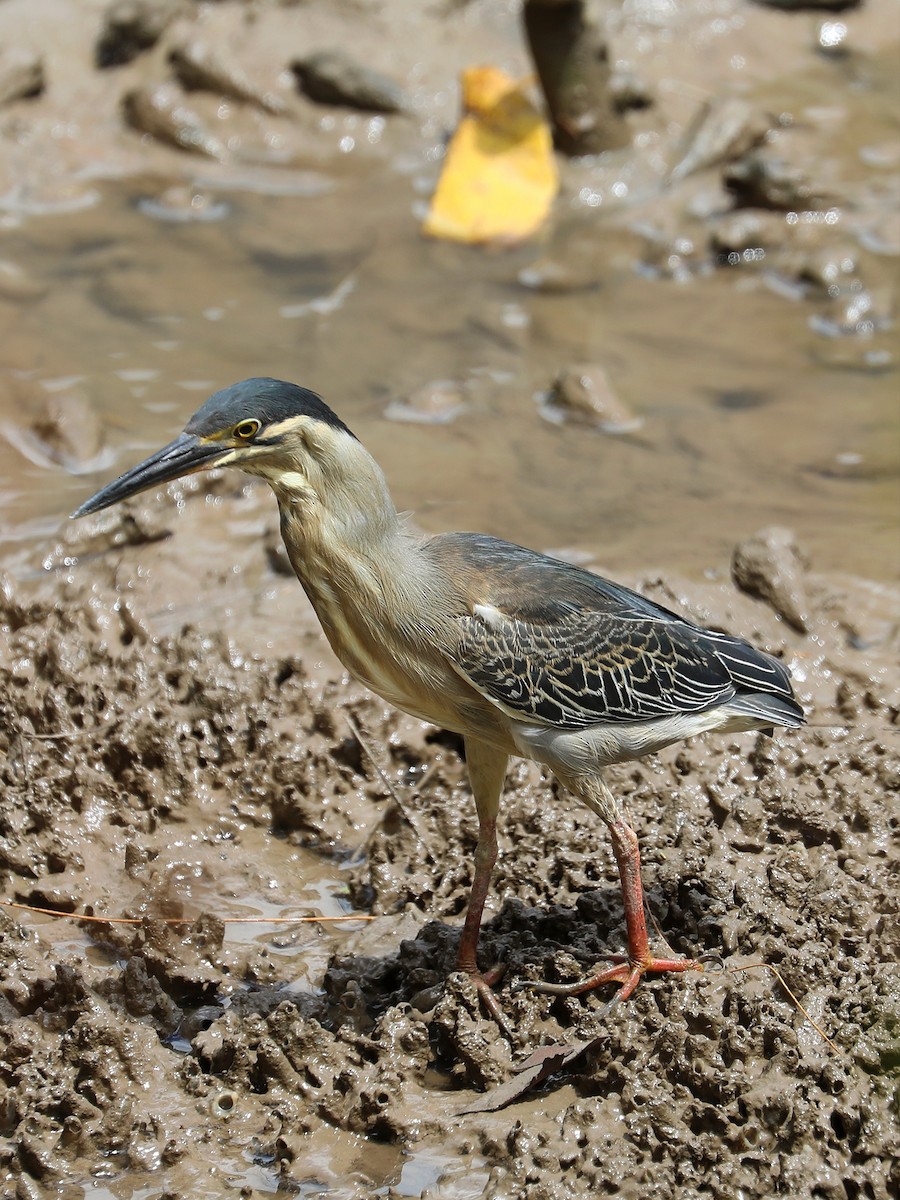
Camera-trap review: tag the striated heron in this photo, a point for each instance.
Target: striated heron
(517, 652)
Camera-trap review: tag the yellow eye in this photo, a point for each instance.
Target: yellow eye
(247, 429)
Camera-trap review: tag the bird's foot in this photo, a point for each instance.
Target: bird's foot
(484, 985)
(625, 971)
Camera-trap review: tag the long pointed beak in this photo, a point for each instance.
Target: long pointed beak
(186, 455)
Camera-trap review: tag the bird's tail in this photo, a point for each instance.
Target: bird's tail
(768, 709)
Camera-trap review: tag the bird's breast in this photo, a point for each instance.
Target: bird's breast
(368, 621)
(374, 654)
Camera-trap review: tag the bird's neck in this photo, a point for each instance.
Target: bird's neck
(358, 562)
(343, 518)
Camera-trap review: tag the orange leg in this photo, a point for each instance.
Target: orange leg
(631, 967)
(487, 769)
(485, 857)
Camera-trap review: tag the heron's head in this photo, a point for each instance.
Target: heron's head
(278, 430)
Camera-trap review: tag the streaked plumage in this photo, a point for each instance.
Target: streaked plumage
(567, 648)
(520, 653)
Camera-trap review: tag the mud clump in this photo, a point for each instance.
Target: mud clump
(172, 779)
(333, 77)
(770, 566)
(131, 27)
(162, 111)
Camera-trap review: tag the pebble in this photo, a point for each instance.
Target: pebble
(583, 395)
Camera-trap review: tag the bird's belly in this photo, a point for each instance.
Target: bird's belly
(601, 745)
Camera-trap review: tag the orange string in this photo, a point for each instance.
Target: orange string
(74, 916)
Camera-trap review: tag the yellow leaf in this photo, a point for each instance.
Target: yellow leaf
(499, 177)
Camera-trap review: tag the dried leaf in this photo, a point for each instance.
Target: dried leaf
(542, 1063)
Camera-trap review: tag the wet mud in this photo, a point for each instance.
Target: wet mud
(180, 777)
(691, 374)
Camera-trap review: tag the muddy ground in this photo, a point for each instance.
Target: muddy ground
(157, 776)
(178, 745)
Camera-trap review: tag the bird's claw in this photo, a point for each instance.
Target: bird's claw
(484, 985)
(711, 961)
(625, 972)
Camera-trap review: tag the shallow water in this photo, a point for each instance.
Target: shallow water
(750, 415)
(742, 425)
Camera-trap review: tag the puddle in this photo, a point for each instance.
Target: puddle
(337, 1166)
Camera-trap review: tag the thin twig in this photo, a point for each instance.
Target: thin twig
(768, 967)
(370, 754)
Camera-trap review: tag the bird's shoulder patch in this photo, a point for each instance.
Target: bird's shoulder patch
(490, 615)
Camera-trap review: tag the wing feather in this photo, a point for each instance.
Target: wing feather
(589, 667)
(551, 643)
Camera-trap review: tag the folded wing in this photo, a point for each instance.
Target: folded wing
(551, 643)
